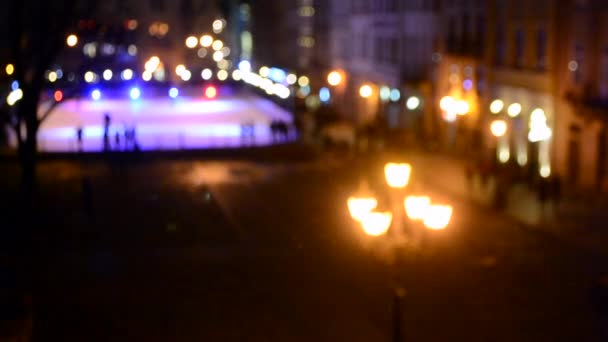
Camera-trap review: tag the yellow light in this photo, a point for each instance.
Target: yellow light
(365, 91)
(223, 64)
(222, 75)
(545, 171)
(206, 41)
(191, 42)
(438, 217)
(412, 103)
(504, 154)
(52, 77)
(217, 45)
(397, 175)
(14, 96)
(89, 77)
(10, 69)
(416, 207)
(303, 81)
(152, 64)
(291, 79)
(236, 75)
(376, 224)
(498, 128)
(180, 69)
(462, 107)
(447, 103)
(264, 71)
(71, 40)
(146, 75)
(334, 78)
(514, 109)
(361, 206)
(497, 106)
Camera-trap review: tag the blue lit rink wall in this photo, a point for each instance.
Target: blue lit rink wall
(162, 123)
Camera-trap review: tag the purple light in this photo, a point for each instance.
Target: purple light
(467, 84)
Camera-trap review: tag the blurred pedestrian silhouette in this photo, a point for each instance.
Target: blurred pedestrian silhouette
(279, 130)
(79, 136)
(117, 141)
(248, 133)
(107, 121)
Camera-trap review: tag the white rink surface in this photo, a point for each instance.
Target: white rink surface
(161, 123)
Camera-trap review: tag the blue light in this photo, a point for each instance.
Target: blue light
(96, 94)
(277, 75)
(15, 85)
(134, 93)
(173, 92)
(324, 94)
(245, 66)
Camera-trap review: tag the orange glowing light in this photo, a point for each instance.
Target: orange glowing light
(58, 95)
(211, 92)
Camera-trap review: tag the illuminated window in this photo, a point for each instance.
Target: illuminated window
(306, 11)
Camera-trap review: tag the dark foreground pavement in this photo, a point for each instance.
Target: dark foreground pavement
(187, 250)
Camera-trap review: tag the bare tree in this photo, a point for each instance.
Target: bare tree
(37, 31)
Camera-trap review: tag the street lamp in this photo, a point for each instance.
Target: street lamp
(378, 223)
(498, 128)
(365, 91)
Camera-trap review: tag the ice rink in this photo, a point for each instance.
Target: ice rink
(161, 123)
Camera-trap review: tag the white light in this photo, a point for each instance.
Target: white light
(132, 50)
(218, 26)
(412, 103)
(206, 41)
(127, 74)
(226, 51)
(180, 69)
(89, 77)
(222, 75)
(522, 159)
(573, 66)
(218, 56)
(186, 75)
(206, 74)
(504, 155)
(334, 78)
(447, 104)
(514, 109)
(462, 107)
(498, 128)
(291, 79)
(245, 66)
(497, 106)
(201, 53)
(107, 74)
(134, 93)
(385, 93)
(395, 95)
(173, 92)
(72, 40)
(450, 116)
(365, 91)
(236, 75)
(96, 94)
(539, 131)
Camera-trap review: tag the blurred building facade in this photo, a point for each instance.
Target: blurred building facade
(388, 47)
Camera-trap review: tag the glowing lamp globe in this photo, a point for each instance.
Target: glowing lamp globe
(438, 217)
(416, 207)
(376, 224)
(361, 206)
(397, 175)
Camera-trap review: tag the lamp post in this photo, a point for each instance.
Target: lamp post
(378, 223)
